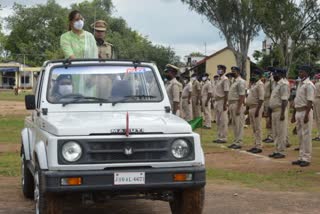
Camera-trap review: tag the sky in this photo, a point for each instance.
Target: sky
(164, 22)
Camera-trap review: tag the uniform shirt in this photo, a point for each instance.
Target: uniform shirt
(180, 88)
(279, 93)
(206, 89)
(222, 86)
(256, 93)
(267, 89)
(213, 85)
(237, 89)
(173, 90)
(305, 93)
(81, 46)
(186, 90)
(317, 92)
(196, 87)
(105, 51)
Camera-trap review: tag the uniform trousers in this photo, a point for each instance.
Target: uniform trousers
(256, 126)
(279, 130)
(222, 120)
(237, 122)
(186, 109)
(316, 110)
(206, 112)
(304, 133)
(196, 109)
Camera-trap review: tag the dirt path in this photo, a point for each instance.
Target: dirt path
(12, 108)
(222, 199)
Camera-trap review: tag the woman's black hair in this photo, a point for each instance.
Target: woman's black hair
(72, 14)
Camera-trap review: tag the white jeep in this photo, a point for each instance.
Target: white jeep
(103, 129)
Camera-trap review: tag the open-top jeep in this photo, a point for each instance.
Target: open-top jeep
(103, 130)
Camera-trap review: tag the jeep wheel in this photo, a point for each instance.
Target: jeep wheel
(189, 201)
(26, 177)
(46, 203)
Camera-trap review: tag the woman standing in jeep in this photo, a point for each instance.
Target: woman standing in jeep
(78, 43)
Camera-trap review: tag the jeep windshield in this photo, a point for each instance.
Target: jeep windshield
(102, 84)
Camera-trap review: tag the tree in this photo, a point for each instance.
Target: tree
(290, 24)
(196, 54)
(35, 32)
(235, 19)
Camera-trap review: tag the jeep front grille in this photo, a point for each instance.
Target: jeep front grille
(126, 151)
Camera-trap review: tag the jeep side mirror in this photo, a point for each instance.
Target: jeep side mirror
(30, 102)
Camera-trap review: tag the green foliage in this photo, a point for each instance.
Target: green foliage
(36, 32)
(292, 25)
(235, 19)
(196, 54)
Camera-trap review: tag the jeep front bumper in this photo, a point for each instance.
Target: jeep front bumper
(103, 180)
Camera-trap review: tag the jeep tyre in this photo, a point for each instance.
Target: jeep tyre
(189, 201)
(27, 182)
(45, 203)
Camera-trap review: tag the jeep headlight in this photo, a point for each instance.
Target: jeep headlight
(71, 151)
(180, 149)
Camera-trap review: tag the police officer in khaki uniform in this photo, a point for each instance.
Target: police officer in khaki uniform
(105, 48)
(180, 113)
(303, 115)
(186, 100)
(316, 106)
(279, 116)
(236, 98)
(206, 94)
(213, 111)
(254, 109)
(196, 96)
(221, 104)
(268, 89)
(173, 87)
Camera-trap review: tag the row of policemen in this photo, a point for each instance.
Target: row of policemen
(267, 95)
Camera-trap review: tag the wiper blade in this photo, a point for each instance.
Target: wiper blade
(142, 96)
(132, 96)
(77, 98)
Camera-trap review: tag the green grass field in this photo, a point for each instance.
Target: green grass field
(10, 164)
(8, 95)
(10, 128)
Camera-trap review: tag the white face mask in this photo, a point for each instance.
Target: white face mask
(220, 72)
(78, 25)
(204, 78)
(194, 78)
(65, 89)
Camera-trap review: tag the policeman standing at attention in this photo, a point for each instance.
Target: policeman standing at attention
(196, 96)
(303, 115)
(316, 106)
(254, 109)
(236, 98)
(267, 93)
(173, 87)
(206, 94)
(279, 116)
(186, 100)
(221, 104)
(105, 48)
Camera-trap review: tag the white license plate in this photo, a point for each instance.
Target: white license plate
(127, 178)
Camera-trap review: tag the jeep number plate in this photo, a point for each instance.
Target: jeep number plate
(127, 178)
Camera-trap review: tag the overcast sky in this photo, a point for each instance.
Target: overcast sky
(165, 22)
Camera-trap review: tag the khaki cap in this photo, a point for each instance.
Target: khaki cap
(99, 25)
(172, 67)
